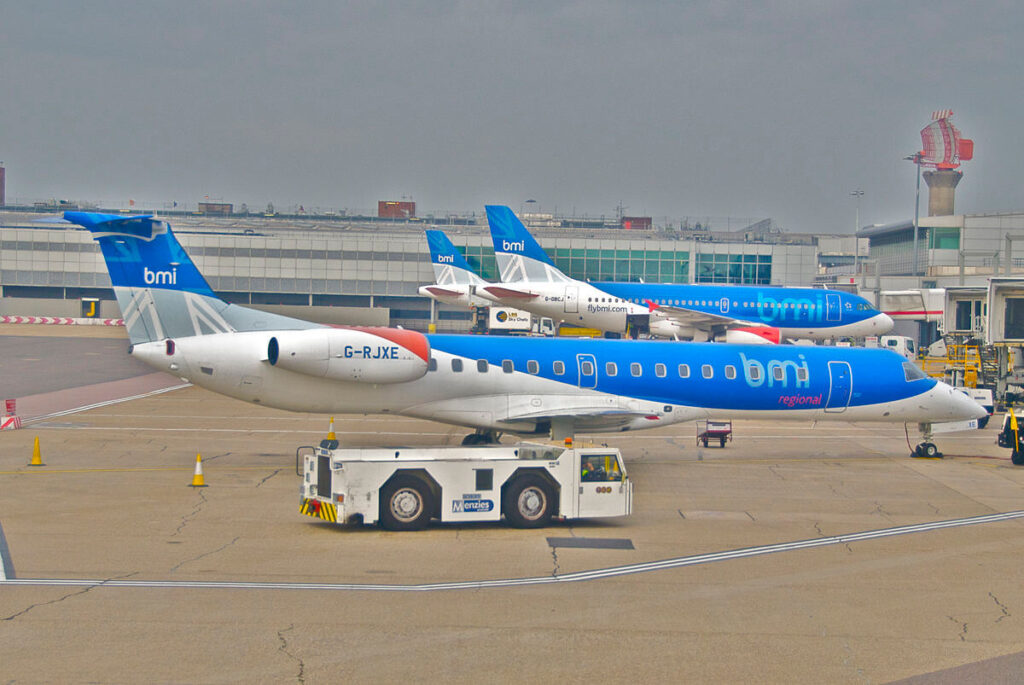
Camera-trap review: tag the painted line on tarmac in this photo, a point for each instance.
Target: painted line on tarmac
(579, 576)
(107, 403)
(6, 565)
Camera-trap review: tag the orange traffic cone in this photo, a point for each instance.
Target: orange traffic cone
(37, 459)
(197, 479)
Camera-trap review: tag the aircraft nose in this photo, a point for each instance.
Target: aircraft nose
(958, 405)
(884, 323)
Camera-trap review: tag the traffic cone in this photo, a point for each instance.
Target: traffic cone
(330, 431)
(197, 479)
(37, 459)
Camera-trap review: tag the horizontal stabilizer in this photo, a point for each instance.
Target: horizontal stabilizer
(508, 293)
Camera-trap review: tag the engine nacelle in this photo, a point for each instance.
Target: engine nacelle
(365, 355)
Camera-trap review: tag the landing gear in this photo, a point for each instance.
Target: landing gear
(481, 437)
(926, 449)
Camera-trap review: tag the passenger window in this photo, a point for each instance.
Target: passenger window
(778, 373)
(533, 367)
(610, 369)
(706, 371)
(659, 370)
(634, 369)
(754, 371)
(730, 372)
(457, 365)
(559, 368)
(481, 365)
(507, 366)
(801, 374)
(684, 370)
(586, 368)
(432, 365)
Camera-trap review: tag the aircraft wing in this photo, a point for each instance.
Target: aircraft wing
(597, 413)
(692, 317)
(507, 293)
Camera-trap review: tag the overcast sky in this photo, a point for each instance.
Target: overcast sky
(673, 109)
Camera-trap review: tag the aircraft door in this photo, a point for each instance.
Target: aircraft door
(840, 387)
(601, 486)
(833, 307)
(723, 305)
(572, 299)
(586, 365)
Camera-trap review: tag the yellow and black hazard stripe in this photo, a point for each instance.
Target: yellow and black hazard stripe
(321, 510)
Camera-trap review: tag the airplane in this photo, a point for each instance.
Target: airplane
(455, 282)
(751, 314)
(177, 324)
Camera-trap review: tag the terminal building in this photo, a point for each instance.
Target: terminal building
(367, 270)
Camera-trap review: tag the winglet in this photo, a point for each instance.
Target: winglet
(651, 306)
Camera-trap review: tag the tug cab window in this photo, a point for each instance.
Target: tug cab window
(600, 468)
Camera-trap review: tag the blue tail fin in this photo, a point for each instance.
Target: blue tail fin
(519, 256)
(450, 267)
(159, 289)
(511, 237)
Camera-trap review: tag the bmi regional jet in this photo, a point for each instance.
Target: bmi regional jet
(177, 324)
(531, 281)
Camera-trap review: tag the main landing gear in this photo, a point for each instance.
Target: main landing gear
(926, 449)
(481, 437)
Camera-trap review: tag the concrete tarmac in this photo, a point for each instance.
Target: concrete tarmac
(113, 504)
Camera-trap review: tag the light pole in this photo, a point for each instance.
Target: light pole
(916, 159)
(858, 194)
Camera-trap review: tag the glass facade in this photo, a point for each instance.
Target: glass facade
(745, 269)
(596, 264)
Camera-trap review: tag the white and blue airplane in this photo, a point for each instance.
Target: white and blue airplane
(531, 281)
(177, 324)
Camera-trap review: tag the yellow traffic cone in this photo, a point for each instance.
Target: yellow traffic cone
(330, 431)
(197, 479)
(37, 459)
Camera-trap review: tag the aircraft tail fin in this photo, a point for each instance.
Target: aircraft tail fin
(519, 256)
(450, 267)
(159, 289)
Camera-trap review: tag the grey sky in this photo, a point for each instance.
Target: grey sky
(674, 109)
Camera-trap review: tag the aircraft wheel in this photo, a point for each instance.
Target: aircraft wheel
(405, 504)
(529, 502)
(1017, 458)
(722, 441)
(705, 442)
(926, 449)
(471, 439)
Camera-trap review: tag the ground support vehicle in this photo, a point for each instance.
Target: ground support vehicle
(404, 488)
(710, 431)
(1013, 437)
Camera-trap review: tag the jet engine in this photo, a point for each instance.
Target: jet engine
(366, 355)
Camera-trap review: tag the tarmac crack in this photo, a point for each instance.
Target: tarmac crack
(963, 627)
(1002, 608)
(206, 554)
(67, 596)
(277, 471)
(772, 469)
(554, 559)
(191, 515)
(301, 676)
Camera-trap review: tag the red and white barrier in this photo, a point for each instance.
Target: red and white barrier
(61, 321)
(10, 422)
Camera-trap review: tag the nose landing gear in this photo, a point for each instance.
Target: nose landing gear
(927, 448)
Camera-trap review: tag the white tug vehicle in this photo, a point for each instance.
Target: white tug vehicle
(403, 488)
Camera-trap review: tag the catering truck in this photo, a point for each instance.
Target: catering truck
(404, 488)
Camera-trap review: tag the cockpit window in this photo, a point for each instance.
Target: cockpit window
(913, 372)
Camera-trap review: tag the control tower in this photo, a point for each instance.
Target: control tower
(943, 148)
